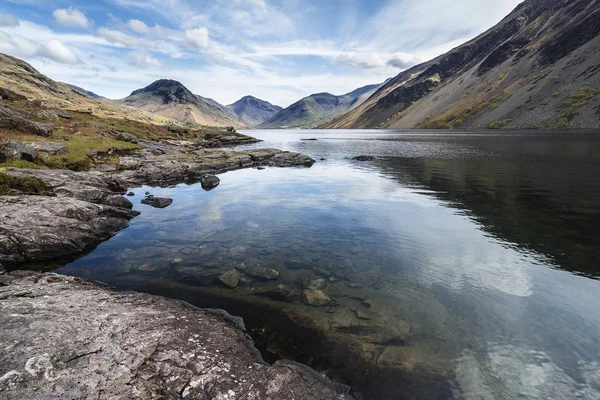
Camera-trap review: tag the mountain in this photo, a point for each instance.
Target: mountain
(84, 91)
(252, 111)
(539, 67)
(169, 99)
(318, 109)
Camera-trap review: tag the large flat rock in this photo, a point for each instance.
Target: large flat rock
(63, 337)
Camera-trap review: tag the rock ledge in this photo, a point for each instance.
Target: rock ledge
(64, 337)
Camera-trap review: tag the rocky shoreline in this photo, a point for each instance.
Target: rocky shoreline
(86, 208)
(67, 337)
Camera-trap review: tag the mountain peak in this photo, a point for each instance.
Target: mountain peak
(253, 111)
(171, 91)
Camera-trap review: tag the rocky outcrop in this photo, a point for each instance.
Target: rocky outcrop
(50, 148)
(40, 228)
(18, 151)
(126, 137)
(12, 119)
(6, 94)
(177, 162)
(85, 341)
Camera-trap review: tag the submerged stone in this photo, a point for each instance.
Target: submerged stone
(209, 181)
(315, 298)
(231, 278)
(363, 158)
(263, 273)
(279, 293)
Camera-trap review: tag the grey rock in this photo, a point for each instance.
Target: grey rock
(231, 278)
(6, 94)
(118, 201)
(157, 202)
(40, 228)
(50, 148)
(289, 159)
(47, 114)
(126, 137)
(315, 298)
(209, 181)
(363, 158)
(19, 151)
(12, 119)
(263, 273)
(130, 194)
(83, 339)
(260, 168)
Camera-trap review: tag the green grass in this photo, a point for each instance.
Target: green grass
(28, 185)
(499, 124)
(19, 164)
(576, 100)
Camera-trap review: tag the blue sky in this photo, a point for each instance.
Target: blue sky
(277, 50)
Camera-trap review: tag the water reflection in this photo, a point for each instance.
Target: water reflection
(442, 260)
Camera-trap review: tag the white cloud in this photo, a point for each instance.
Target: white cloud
(138, 26)
(54, 50)
(57, 51)
(70, 17)
(143, 60)
(197, 38)
(123, 39)
(8, 20)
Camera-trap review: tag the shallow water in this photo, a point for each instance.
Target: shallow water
(459, 265)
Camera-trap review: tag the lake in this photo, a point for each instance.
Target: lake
(455, 265)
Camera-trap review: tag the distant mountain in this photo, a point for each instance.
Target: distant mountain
(84, 91)
(252, 111)
(170, 99)
(539, 67)
(317, 109)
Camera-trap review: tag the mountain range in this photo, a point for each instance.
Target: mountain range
(317, 109)
(539, 67)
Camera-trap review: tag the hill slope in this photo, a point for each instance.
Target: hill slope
(539, 67)
(20, 77)
(317, 109)
(252, 111)
(84, 91)
(170, 99)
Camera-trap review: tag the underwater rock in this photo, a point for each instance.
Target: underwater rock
(263, 273)
(231, 278)
(309, 282)
(315, 298)
(157, 202)
(279, 293)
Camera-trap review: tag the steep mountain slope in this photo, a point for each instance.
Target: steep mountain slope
(539, 67)
(317, 109)
(171, 100)
(252, 111)
(84, 91)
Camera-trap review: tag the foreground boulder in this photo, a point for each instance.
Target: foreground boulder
(84, 341)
